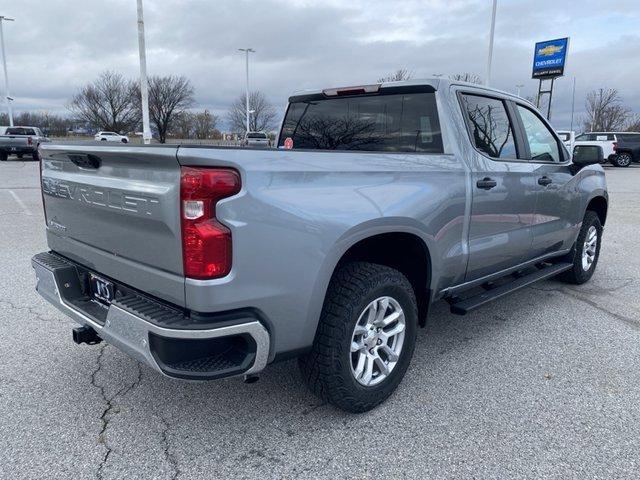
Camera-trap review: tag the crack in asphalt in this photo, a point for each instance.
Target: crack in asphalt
(31, 311)
(108, 411)
(632, 322)
(169, 457)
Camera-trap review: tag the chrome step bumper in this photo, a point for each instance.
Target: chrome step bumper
(135, 333)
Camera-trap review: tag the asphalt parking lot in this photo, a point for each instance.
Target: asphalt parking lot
(544, 383)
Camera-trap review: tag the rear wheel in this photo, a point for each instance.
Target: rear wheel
(124, 140)
(35, 156)
(365, 338)
(3, 156)
(622, 159)
(103, 139)
(586, 251)
(20, 155)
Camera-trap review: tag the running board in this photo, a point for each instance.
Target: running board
(463, 306)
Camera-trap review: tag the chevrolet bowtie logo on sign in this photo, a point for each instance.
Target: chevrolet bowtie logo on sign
(549, 58)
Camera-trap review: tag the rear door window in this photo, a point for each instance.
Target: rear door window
(489, 125)
(379, 123)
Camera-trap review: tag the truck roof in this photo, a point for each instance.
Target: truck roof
(436, 83)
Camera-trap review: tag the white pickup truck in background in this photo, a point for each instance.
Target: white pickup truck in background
(568, 137)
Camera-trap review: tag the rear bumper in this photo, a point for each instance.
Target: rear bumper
(164, 338)
(17, 149)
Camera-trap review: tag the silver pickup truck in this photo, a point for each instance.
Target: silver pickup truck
(207, 262)
(21, 141)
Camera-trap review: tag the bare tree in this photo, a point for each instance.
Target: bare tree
(49, 123)
(182, 125)
(397, 76)
(633, 124)
(466, 77)
(108, 103)
(168, 96)
(604, 111)
(204, 124)
(262, 118)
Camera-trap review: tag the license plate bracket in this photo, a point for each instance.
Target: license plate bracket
(101, 289)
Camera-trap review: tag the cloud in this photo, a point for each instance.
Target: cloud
(55, 47)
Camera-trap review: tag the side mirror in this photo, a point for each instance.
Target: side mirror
(587, 155)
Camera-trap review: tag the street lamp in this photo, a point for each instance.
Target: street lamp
(4, 64)
(247, 51)
(491, 35)
(518, 89)
(144, 86)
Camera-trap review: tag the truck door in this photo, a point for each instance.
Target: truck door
(503, 193)
(558, 210)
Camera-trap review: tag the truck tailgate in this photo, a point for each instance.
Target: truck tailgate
(116, 210)
(13, 141)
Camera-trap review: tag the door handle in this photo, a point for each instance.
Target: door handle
(544, 181)
(486, 183)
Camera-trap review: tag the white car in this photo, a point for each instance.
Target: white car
(111, 137)
(257, 139)
(568, 137)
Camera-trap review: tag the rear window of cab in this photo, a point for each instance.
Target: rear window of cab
(403, 122)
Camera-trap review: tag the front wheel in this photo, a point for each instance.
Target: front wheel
(124, 140)
(365, 338)
(3, 156)
(586, 251)
(622, 160)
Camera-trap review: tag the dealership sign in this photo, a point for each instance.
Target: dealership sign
(549, 58)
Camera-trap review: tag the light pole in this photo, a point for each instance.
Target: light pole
(519, 87)
(247, 51)
(144, 86)
(4, 64)
(491, 34)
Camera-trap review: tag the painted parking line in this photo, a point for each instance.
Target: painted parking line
(19, 201)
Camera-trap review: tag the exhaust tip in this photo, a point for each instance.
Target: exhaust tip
(86, 335)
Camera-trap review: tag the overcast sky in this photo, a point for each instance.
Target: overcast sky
(55, 46)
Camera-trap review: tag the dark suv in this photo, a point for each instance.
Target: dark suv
(627, 148)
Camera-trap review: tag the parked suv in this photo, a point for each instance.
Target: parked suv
(257, 139)
(609, 142)
(111, 137)
(627, 148)
(207, 262)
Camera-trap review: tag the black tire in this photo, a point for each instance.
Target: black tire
(103, 139)
(578, 275)
(622, 159)
(3, 156)
(327, 368)
(20, 155)
(124, 140)
(35, 156)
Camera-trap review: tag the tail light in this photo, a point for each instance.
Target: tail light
(29, 141)
(206, 243)
(615, 146)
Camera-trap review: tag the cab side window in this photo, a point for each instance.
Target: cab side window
(543, 145)
(490, 127)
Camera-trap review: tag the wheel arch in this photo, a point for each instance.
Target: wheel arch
(388, 243)
(600, 206)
